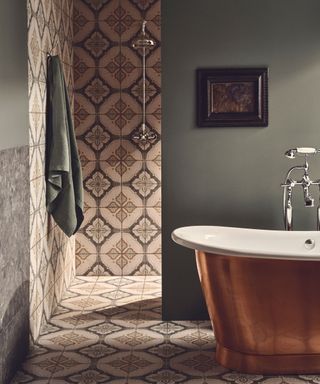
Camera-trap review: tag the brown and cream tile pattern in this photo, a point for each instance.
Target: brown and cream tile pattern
(125, 341)
(122, 178)
(50, 29)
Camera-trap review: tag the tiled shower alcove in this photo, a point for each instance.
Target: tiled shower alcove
(121, 232)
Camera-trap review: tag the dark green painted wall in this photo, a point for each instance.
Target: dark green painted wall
(13, 74)
(232, 176)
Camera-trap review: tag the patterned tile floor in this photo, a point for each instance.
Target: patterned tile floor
(109, 330)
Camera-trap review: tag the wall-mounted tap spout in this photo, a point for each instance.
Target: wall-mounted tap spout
(305, 182)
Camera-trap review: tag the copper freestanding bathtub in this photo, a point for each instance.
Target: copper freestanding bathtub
(262, 290)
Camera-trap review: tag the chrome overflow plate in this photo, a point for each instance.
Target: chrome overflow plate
(309, 243)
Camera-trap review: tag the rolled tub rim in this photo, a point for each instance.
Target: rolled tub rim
(178, 236)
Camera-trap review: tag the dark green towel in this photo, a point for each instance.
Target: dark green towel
(63, 169)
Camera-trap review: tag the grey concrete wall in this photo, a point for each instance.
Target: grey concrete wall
(14, 191)
(232, 176)
(13, 74)
(14, 259)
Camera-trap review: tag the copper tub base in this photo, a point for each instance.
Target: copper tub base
(268, 365)
(265, 312)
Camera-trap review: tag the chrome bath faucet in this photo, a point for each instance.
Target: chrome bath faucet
(305, 182)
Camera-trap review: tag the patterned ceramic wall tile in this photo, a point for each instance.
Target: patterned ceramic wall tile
(52, 253)
(122, 177)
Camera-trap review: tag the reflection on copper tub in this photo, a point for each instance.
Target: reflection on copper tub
(262, 290)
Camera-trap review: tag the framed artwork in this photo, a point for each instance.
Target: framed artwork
(232, 97)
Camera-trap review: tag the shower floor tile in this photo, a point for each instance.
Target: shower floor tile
(110, 330)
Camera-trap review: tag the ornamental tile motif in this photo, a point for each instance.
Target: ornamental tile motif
(68, 339)
(121, 160)
(98, 184)
(145, 230)
(145, 183)
(121, 113)
(98, 230)
(98, 351)
(97, 44)
(120, 20)
(134, 339)
(97, 91)
(121, 207)
(105, 329)
(120, 66)
(49, 364)
(137, 90)
(122, 254)
(97, 137)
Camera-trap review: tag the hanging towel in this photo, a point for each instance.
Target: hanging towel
(63, 169)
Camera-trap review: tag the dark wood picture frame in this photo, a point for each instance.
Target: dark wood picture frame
(232, 97)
